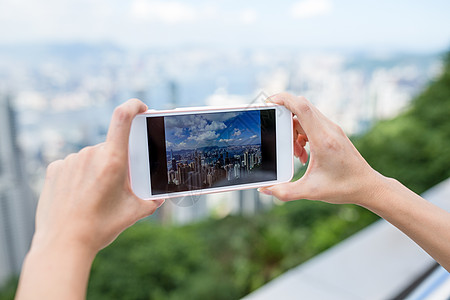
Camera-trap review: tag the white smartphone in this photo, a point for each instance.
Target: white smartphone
(201, 150)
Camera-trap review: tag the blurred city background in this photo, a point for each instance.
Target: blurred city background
(377, 69)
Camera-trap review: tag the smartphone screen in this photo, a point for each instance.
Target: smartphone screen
(206, 150)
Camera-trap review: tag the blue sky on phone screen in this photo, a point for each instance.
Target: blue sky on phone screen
(212, 129)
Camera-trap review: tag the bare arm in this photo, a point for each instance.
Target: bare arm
(425, 223)
(337, 173)
(85, 204)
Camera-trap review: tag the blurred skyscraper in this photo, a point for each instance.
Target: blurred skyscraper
(17, 205)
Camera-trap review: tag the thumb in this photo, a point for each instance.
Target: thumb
(148, 207)
(286, 191)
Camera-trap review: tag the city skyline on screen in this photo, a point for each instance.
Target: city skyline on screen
(212, 149)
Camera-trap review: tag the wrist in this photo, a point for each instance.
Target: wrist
(375, 191)
(55, 244)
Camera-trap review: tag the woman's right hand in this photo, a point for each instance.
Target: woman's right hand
(336, 173)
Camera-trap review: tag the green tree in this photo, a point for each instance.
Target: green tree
(414, 147)
(8, 291)
(149, 261)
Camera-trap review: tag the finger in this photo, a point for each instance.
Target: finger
(298, 149)
(148, 207)
(119, 128)
(303, 156)
(306, 113)
(297, 128)
(286, 191)
(302, 139)
(53, 170)
(93, 147)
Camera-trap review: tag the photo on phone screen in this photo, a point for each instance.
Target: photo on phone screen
(206, 150)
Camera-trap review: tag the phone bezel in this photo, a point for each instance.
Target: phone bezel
(139, 167)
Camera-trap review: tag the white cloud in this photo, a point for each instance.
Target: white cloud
(163, 11)
(175, 146)
(215, 126)
(236, 132)
(254, 136)
(207, 135)
(178, 131)
(248, 16)
(225, 140)
(178, 146)
(311, 8)
(191, 122)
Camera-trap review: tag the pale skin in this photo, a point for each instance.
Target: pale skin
(87, 201)
(85, 204)
(338, 174)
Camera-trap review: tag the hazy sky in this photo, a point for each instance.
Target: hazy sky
(392, 25)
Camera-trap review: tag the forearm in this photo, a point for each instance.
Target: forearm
(425, 223)
(57, 272)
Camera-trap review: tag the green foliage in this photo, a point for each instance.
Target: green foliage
(154, 262)
(8, 291)
(219, 259)
(415, 146)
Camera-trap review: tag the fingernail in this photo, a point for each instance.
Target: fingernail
(265, 191)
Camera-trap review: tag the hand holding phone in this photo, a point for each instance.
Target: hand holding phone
(336, 173)
(86, 202)
(210, 149)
